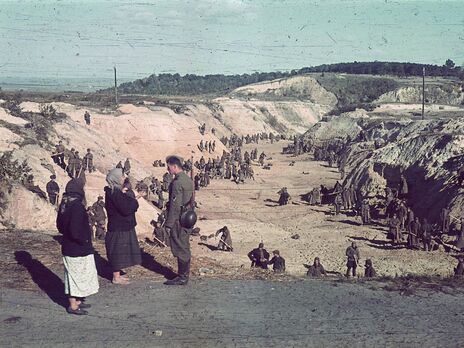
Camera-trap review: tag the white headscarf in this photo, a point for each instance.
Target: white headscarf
(113, 178)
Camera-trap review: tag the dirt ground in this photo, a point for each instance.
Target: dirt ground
(251, 212)
(234, 313)
(226, 302)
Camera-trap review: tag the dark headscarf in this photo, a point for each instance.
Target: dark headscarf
(74, 191)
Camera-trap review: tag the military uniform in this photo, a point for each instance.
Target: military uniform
(53, 190)
(180, 196)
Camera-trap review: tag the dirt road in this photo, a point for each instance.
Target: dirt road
(218, 313)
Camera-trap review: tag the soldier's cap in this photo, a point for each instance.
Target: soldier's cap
(53, 177)
(100, 197)
(173, 157)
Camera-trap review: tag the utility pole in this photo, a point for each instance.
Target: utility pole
(115, 87)
(423, 91)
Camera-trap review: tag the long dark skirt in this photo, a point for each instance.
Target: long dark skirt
(122, 249)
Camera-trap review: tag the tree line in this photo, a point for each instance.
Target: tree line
(190, 84)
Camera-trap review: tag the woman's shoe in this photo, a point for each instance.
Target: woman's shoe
(77, 311)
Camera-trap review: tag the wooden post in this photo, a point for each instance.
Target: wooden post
(115, 86)
(193, 180)
(423, 92)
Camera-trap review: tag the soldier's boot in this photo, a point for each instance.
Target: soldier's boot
(183, 273)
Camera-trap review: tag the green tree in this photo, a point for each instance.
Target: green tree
(449, 64)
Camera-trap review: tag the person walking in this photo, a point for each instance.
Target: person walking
(122, 246)
(80, 272)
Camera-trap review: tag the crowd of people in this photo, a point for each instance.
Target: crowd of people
(113, 215)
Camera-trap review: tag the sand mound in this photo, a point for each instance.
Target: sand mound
(300, 87)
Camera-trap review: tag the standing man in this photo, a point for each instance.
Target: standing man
(52, 189)
(88, 161)
(180, 199)
(352, 253)
(60, 150)
(87, 118)
(99, 215)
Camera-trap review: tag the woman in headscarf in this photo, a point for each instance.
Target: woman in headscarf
(80, 273)
(122, 247)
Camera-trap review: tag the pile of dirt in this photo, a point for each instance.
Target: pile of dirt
(449, 94)
(428, 153)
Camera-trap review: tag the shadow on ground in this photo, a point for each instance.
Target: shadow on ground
(45, 279)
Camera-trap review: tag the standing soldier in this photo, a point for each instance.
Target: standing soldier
(445, 220)
(404, 189)
(60, 150)
(414, 229)
(87, 118)
(365, 212)
(180, 200)
(99, 216)
(161, 200)
(427, 232)
(338, 203)
(88, 161)
(53, 190)
(77, 164)
(346, 196)
(167, 178)
(394, 231)
(352, 253)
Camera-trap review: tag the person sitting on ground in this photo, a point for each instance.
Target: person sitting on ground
(369, 271)
(316, 270)
(459, 269)
(284, 196)
(259, 257)
(277, 262)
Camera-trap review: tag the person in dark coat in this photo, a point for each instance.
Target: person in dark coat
(259, 257)
(180, 200)
(53, 190)
(80, 276)
(226, 240)
(122, 246)
(87, 118)
(277, 262)
(316, 270)
(284, 196)
(352, 253)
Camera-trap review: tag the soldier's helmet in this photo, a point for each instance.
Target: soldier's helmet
(188, 219)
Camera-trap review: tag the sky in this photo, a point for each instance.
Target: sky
(85, 39)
